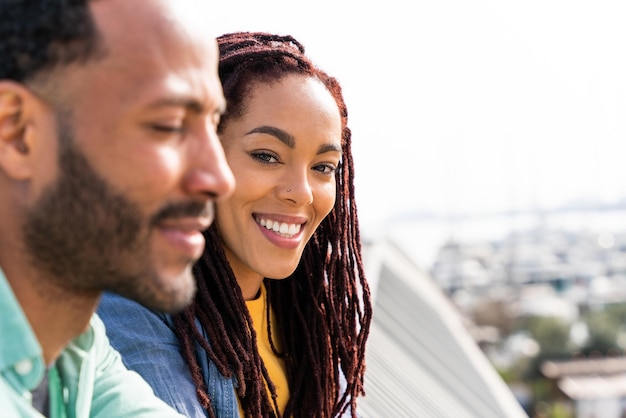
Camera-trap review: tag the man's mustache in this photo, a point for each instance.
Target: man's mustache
(184, 210)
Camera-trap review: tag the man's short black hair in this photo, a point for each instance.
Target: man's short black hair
(40, 35)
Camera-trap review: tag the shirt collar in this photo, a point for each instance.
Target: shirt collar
(21, 358)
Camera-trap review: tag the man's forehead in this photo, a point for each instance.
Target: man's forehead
(148, 55)
(132, 20)
(121, 25)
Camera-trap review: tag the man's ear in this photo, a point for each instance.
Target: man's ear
(15, 152)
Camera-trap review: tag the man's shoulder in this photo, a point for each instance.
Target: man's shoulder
(92, 366)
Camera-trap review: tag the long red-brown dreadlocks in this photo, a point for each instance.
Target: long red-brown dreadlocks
(323, 310)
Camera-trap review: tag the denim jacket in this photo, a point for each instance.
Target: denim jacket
(148, 345)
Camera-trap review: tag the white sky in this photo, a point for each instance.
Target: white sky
(467, 105)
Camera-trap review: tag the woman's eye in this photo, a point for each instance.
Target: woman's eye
(326, 168)
(265, 157)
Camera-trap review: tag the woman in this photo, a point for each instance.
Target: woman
(279, 324)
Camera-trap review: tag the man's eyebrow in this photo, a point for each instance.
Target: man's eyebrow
(188, 103)
(281, 135)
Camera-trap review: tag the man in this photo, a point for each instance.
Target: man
(109, 166)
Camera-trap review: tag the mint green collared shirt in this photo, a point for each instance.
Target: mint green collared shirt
(94, 381)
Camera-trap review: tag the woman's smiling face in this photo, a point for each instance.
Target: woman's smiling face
(283, 151)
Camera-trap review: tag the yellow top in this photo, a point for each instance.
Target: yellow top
(275, 366)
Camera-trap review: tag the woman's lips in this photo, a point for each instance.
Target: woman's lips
(284, 232)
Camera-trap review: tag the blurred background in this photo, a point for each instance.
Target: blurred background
(489, 142)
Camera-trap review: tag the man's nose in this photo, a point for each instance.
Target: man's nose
(210, 173)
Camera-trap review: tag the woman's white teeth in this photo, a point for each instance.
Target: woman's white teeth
(280, 227)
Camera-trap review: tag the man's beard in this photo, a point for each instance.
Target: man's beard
(90, 238)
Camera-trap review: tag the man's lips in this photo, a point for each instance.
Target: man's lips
(185, 234)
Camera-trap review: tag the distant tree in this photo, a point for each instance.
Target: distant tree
(551, 333)
(603, 328)
(560, 410)
(617, 311)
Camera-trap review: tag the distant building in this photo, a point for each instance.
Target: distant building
(596, 387)
(421, 360)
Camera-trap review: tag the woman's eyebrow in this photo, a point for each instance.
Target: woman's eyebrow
(283, 136)
(289, 140)
(329, 148)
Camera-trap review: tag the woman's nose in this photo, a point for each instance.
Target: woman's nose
(297, 189)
